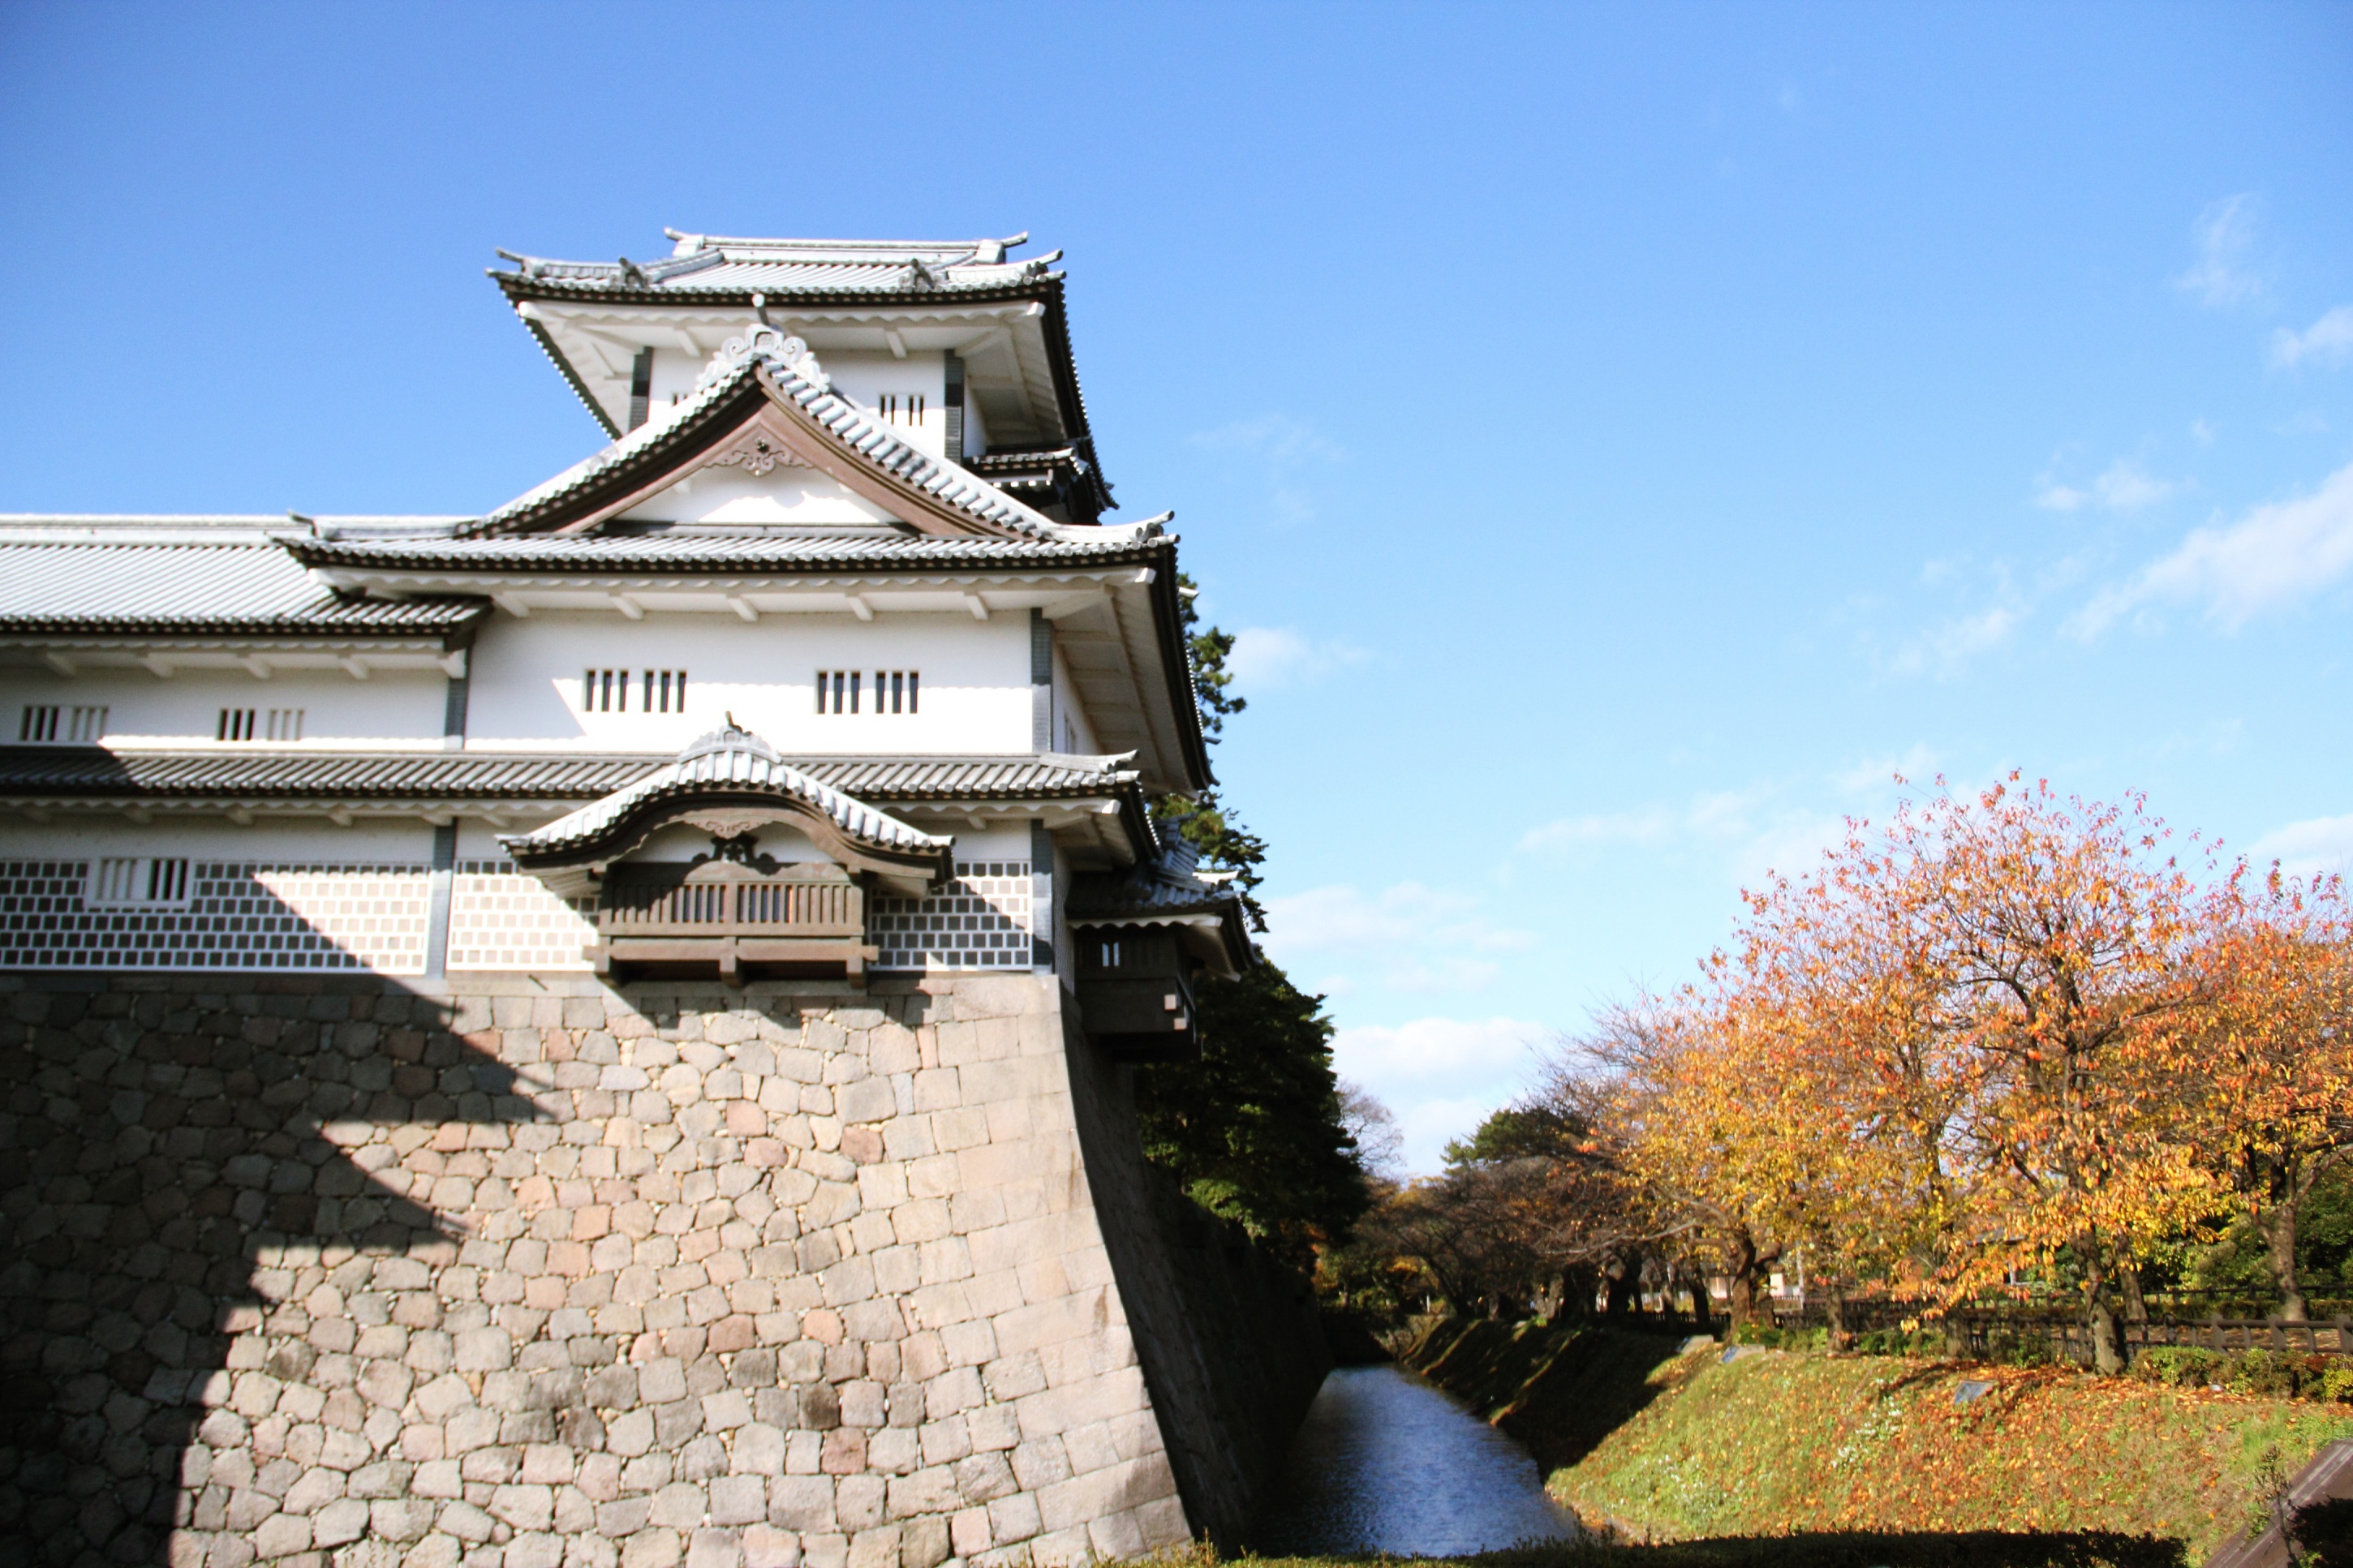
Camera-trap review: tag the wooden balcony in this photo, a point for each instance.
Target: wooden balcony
(732, 920)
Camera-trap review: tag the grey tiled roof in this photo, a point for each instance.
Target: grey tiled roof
(685, 551)
(1166, 886)
(795, 374)
(712, 263)
(190, 586)
(735, 761)
(65, 773)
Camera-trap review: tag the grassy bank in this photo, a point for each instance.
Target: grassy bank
(1659, 1445)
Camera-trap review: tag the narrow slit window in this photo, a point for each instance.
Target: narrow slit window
(89, 726)
(285, 724)
(236, 724)
(142, 880)
(39, 724)
(627, 691)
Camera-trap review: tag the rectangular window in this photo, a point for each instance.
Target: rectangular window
(633, 690)
(285, 724)
(89, 726)
(39, 724)
(902, 407)
(844, 690)
(139, 881)
(236, 724)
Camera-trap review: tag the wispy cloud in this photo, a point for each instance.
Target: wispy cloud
(1407, 937)
(2123, 486)
(2225, 233)
(1754, 830)
(1278, 438)
(2277, 555)
(2328, 340)
(1945, 650)
(2301, 849)
(1441, 1076)
(1285, 448)
(1271, 657)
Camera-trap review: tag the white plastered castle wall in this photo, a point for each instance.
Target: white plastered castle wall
(390, 705)
(976, 681)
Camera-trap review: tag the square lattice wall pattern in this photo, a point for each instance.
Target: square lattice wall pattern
(979, 920)
(233, 916)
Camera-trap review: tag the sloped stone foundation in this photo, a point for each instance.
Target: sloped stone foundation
(526, 1272)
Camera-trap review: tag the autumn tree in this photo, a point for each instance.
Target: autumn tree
(2272, 1099)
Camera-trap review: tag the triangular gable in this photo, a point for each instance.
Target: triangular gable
(764, 401)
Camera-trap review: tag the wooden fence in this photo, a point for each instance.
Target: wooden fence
(1993, 1331)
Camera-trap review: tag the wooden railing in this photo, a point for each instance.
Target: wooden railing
(2066, 1335)
(723, 917)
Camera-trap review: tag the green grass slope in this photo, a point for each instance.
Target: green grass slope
(1658, 1446)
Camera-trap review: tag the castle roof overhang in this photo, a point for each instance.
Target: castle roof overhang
(1093, 804)
(728, 783)
(763, 400)
(190, 593)
(1164, 892)
(1007, 318)
(1113, 594)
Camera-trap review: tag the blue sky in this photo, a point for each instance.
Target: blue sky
(1624, 438)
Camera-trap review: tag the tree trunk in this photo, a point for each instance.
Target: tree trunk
(2135, 1308)
(1834, 1304)
(2279, 1235)
(1623, 1285)
(2108, 1358)
(1746, 1266)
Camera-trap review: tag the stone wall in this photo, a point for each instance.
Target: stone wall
(1231, 1340)
(527, 1272)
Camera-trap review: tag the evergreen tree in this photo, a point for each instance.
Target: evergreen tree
(1254, 1129)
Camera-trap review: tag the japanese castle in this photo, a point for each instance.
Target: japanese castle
(825, 666)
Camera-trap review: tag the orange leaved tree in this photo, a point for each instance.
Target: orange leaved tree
(2275, 1110)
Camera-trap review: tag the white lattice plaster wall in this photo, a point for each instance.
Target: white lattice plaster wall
(229, 915)
(501, 919)
(979, 920)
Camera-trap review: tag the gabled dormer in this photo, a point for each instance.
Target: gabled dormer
(963, 350)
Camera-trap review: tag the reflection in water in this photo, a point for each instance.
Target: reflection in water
(1388, 1463)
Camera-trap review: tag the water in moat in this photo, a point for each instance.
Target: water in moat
(1388, 1463)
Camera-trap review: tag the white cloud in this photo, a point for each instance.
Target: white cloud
(1269, 656)
(2276, 555)
(2125, 486)
(1278, 438)
(2328, 340)
(2301, 849)
(1945, 649)
(1405, 938)
(1652, 824)
(1747, 828)
(2201, 432)
(1917, 766)
(2225, 232)
(1441, 1076)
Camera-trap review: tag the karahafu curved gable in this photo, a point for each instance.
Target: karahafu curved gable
(730, 782)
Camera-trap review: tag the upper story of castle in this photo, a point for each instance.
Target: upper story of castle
(848, 501)
(961, 346)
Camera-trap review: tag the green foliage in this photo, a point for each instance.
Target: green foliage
(1517, 1133)
(1813, 1448)
(2257, 1371)
(1253, 1126)
(1771, 1337)
(1204, 822)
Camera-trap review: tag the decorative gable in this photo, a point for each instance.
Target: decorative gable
(765, 405)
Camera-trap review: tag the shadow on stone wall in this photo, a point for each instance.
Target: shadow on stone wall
(1231, 1340)
(164, 1143)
